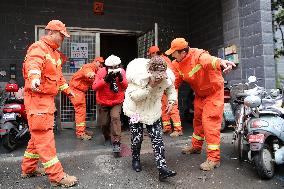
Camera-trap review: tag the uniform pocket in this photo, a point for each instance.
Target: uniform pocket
(217, 109)
(49, 84)
(41, 122)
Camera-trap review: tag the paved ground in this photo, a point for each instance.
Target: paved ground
(92, 162)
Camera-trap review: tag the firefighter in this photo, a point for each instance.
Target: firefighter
(42, 72)
(81, 81)
(204, 74)
(174, 114)
(101, 61)
(110, 85)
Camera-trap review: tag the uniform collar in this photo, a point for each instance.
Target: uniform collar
(49, 42)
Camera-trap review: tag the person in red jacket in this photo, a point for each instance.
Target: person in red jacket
(204, 74)
(110, 85)
(42, 71)
(80, 83)
(174, 113)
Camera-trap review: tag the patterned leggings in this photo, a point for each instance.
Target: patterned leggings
(155, 132)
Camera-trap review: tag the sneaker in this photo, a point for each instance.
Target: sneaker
(164, 173)
(38, 172)
(190, 150)
(66, 181)
(176, 134)
(84, 136)
(209, 165)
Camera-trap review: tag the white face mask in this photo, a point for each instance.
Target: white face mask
(114, 70)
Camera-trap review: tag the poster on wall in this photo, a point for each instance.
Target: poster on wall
(79, 50)
(76, 63)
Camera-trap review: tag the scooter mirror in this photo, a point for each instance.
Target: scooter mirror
(252, 79)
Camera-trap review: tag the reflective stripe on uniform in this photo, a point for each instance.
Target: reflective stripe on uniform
(180, 73)
(64, 86)
(36, 72)
(194, 70)
(165, 123)
(31, 155)
(80, 124)
(48, 57)
(197, 137)
(50, 162)
(59, 62)
(177, 124)
(213, 146)
(214, 63)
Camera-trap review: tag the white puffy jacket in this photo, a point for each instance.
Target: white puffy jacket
(142, 99)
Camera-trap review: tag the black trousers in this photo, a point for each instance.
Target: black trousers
(155, 133)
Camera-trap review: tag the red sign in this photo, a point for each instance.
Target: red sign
(98, 8)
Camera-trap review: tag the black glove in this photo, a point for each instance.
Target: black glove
(109, 77)
(120, 77)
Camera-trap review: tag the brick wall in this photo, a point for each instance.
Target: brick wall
(205, 29)
(231, 30)
(257, 41)
(248, 24)
(18, 18)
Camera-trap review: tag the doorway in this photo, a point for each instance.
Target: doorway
(123, 46)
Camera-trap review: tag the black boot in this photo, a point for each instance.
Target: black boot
(136, 165)
(165, 172)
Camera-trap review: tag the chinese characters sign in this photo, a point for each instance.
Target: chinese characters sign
(98, 8)
(79, 50)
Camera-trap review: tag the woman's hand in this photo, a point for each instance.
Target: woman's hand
(153, 83)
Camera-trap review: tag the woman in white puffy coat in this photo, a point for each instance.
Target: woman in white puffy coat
(147, 81)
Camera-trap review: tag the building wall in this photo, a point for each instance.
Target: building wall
(257, 41)
(18, 18)
(248, 24)
(205, 25)
(231, 30)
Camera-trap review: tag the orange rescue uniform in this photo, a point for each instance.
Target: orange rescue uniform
(174, 114)
(203, 72)
(43, 62)
(79, 85)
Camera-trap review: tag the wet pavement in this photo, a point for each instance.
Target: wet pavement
(93, 163)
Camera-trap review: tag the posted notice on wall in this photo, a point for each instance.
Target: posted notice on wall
(79, 50)
(76, 63)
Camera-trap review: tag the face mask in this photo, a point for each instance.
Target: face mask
(114, 70)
